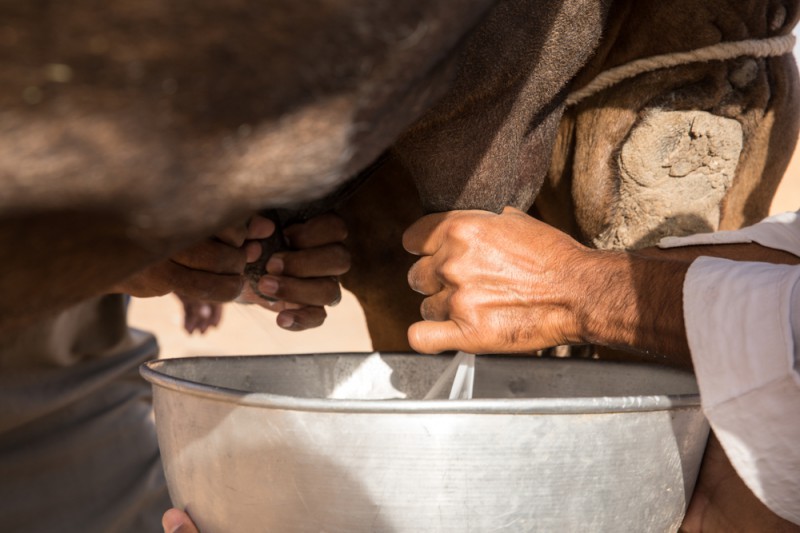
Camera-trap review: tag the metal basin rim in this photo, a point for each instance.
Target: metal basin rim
(527, 406)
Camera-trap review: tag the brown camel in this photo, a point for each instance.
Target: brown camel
(134, 128)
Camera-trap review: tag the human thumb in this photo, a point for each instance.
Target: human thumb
(176, 521)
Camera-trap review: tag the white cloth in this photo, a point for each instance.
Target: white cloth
(743, 326)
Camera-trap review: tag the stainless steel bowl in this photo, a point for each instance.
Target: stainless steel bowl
(258, 444)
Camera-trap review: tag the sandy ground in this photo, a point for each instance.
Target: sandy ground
(249, 329)
(788, 196)
(252, 330)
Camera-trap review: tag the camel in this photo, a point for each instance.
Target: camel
(133, 129)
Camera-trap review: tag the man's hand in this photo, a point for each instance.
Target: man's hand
(304, 278)
(510, 283)
(494, 282)
(208, 271)
(176, 521)
(722, 502)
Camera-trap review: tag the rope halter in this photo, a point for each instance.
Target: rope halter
(771, 47)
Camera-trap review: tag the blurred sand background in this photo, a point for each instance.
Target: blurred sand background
(249, 329)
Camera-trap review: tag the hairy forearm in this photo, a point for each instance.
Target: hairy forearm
(635, 299)
(510, 283)
(635, 302)
(735, 252)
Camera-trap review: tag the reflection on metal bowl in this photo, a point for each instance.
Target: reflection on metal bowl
(344, 443)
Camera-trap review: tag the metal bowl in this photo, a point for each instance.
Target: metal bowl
(344, 443)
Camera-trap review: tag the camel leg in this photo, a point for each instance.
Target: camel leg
(376, 217)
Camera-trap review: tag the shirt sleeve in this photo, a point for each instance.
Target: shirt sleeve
(742, 322)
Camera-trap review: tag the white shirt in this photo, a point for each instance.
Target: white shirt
(743, 326)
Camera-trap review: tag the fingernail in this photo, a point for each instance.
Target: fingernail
(172, 522)
(275, 264)
(285, 320)
(268, 285)
(260, 227)
(252, 252)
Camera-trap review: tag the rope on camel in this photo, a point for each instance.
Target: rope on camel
(773, 46)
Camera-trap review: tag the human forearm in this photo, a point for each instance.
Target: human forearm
(633, 302)
(511, 283)
(635, 299)
(735, 252)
